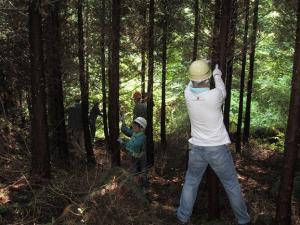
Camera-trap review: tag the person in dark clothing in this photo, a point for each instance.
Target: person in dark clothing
(140, 108)
(94, 113)
(75, 124)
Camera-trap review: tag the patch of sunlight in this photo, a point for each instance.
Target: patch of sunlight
(273, 14)
(4, 196)
(176, 180)
(169, 208)
(187, 10)
(109, 187)
(80, 210)
(156, 204)
(206, 31)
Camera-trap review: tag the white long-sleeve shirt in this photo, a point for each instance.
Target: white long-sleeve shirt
(206, 117)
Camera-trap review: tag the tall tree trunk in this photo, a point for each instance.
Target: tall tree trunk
(229, 61)
(219, 54)
(215, 34)
(56, 114)
(103, 75)
(196, 29)
(83, 87)
(114, 79)
(163, 79)
(292, 140)
(149, 132)
(224, 31)
(40, 164)
(251, 74)
(242, 81)
(212, 180)
(143, 52)
(87, 49)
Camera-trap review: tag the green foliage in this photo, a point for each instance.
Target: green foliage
(273, 71)
(273, 60)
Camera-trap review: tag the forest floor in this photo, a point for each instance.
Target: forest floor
(113, 197)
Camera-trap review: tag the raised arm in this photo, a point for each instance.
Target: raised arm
(219, 84)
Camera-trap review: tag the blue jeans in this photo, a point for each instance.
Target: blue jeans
(220, 160)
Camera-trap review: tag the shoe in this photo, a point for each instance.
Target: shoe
(180, 222)
(176, 220)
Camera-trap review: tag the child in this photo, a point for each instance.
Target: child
(136, 146)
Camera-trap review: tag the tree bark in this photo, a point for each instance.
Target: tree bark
(150, 104)
(40, 164)
(229, 62)
(86, 50)
(56, 114)
(292, 140)
(251, 75)
(216, 32)
(84, 88)
(242, 81)
(143, 52)
(219, 54)
(114, 85)
(224, 31)
(164, 72)
(212, 180)
(196, 29)
(103, 74)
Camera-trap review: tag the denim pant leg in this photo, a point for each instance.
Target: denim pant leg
(220, 160)
(196, 167)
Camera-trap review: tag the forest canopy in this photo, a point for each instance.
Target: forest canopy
(273, 64)
(78, 76)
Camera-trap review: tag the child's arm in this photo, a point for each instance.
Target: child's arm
(126, 130)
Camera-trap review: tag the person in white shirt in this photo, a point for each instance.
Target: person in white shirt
(208, 142)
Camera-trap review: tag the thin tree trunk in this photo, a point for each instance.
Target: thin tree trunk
(212, 180)
(87, 49)
(251, 75)
(216, 32)
(230, 59)
(164, 72)
(196, 29)
(143, 53)
(224, 31)
(83, 87)
(242, 81)
(219, 53)
(149, 132)
(292, 140)
(58, 136)
(40, 164)
(103, 75)
(114, 85)
(143, 74)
